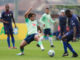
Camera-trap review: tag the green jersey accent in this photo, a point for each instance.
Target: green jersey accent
(31, 26)
(46, 19)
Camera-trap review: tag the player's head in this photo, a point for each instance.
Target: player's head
(47, 10)
(32, 16)
(62, 12)
(7, 7)
(68, 13)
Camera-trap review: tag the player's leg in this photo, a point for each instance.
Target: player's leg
(65, 46)
(40, 39)
(36, 37)
(8, 40)
(70, 37)
(6, 29)
(50, 37)
(66, 38)
(12, 37)
(22, 45)
(13, 40)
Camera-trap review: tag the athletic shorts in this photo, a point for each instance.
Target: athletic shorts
(30, 38)
(8, 29)
(47, 32)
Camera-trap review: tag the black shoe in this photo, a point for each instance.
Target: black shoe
(52, 45)
(65, 54)
(38, 45)
(75, 55)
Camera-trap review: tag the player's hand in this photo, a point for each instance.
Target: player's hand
(6, 22)
(43, 25)
(74, 39)
(15, 26)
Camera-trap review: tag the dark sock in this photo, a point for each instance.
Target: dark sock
(65, 46)
(22, 50)
(71, 49)
(8, 41)
(13, 41)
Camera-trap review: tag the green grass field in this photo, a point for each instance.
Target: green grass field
(34, 53)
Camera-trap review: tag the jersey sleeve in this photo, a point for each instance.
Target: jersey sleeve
(2, 15)
(42, 19)
(26, 20)
(73, 23)
(12, 14)
(51, 20)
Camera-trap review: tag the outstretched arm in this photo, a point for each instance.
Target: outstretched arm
(13, 20)
(27, 13)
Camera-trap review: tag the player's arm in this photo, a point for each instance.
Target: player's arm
(74, 30)
(3, 21)
(42, 19)
(39, 29)
(27, 13)
(13, 20)
(74, 33)
(52, 21)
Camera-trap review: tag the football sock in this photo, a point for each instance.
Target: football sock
(50, 40)
(71, 49)
(8, 41)
(65, 46)
(13, 41)
(41, 45)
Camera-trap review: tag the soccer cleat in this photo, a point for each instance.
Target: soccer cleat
(9, 47)
(52, 45)
(38, 45)
(43, 49)
(20, 54)
(75, 55)
(65, 54)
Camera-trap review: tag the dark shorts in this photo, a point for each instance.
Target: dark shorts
(8, 29)
(47, 32)
(69, 36)
(30, 38)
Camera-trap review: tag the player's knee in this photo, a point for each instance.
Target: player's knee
(36, 37)
(21, 46)
(63, 37)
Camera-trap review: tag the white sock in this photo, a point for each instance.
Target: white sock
(41, 45)
(41, 38)
(51, 40)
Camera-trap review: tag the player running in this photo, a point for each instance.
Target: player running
(7, 15)
(46, 20)
(32, 33)
(71, 35)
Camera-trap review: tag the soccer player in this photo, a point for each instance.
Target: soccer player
(62, 22)
(32, 33)
(46, 20)
(7, 15)
(71, 35)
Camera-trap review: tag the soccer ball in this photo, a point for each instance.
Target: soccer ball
(51, 53)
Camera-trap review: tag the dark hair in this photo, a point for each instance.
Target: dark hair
(31, 14)
(47, 8)
(67, 11)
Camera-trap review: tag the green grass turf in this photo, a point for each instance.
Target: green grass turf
(34, 53)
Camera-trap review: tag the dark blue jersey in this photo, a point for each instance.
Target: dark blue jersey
(62, 23)
(7, 16)
(62, 20)
(73, 22)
